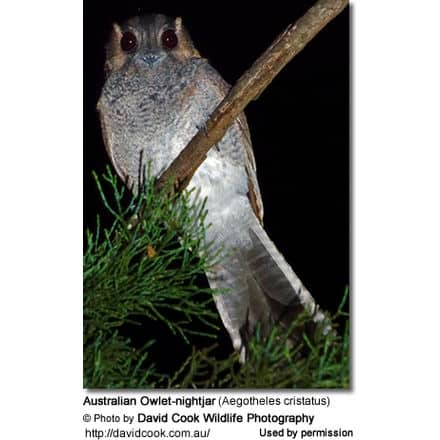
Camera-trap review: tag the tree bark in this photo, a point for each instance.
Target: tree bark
(249, 87)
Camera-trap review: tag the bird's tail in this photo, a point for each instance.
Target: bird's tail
(261, 290)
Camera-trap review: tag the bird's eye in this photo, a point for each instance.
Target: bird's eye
(128, 41)
(169, 39)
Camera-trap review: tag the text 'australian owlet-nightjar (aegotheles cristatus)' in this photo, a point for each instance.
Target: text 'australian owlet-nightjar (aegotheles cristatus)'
(159, 91)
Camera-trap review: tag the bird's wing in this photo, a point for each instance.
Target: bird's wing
(209, 79)
(251, 170)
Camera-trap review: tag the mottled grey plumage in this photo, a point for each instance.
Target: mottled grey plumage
(153, 102)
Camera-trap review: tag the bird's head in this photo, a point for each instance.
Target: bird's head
(144, 42)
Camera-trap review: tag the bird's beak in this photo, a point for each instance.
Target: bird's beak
(150, 59)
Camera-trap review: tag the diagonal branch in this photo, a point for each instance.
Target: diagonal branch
(249, 87)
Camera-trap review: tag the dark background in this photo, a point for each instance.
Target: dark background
(299, 125)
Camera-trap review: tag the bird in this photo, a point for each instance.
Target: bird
(157, 94)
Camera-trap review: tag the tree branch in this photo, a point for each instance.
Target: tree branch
(249, 87)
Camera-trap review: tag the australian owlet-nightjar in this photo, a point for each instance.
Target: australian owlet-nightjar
(158, 93)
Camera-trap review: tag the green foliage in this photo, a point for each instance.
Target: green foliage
(315, 361)
(137, 271)
(149, 269)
